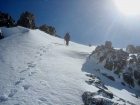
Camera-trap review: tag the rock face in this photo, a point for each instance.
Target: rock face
(1, 35)
(136, 75)
(128, 79)
(89, 99)
(6, 20)
(126, 66)
(103, 96)
(139, 82)
(133, 49)
(138, 49)
(48, 29)
(27, 20)
(108, 93)
(108, 44)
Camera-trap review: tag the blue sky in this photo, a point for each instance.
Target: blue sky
(88, 21)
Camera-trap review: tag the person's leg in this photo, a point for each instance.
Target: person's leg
(66, 42)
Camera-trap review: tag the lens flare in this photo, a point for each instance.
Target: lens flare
(129, 7)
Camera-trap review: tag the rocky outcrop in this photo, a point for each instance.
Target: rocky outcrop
(96, 81)
(108, 44)
(139, 82)
(136, 75)
(27, 20)
(89, 99)
(138, 49)
(44, 28)
(108, 65)
(6, 20)
(1, 35)
(97, 48)
(123, 83)
(131, 49)
(52, 30)
(103, 96)
(126, 66)
(107, 92)
(128, 79)
(48, 29)
(120, 62)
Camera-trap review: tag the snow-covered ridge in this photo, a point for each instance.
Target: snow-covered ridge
(38, 69)
(14, 30)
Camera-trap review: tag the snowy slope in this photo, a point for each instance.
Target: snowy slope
(38, 69)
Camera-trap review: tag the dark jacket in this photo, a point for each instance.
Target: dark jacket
(67, 37)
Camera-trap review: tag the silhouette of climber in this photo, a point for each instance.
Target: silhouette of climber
(67, 38)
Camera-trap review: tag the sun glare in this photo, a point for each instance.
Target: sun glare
(129, 7)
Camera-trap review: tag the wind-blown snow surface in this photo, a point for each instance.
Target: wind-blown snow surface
(38, 69)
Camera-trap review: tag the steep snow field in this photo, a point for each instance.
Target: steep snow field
(39, 69)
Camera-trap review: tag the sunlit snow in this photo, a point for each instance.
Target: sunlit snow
(39, 69)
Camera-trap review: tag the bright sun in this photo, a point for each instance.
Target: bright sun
(129, 7)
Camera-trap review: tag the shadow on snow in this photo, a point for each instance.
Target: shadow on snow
(89, 67)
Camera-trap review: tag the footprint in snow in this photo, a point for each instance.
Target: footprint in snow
(41, 54)
(42, 99)
(26, 87)
(31, 65)
(42, 46)
(41, 49)
(3, 98)
(35, 56)
(12, 93)
(30, 62)
(18, 82)
(22, 79)
(32, 73)
(25, 70)
(37, 52)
